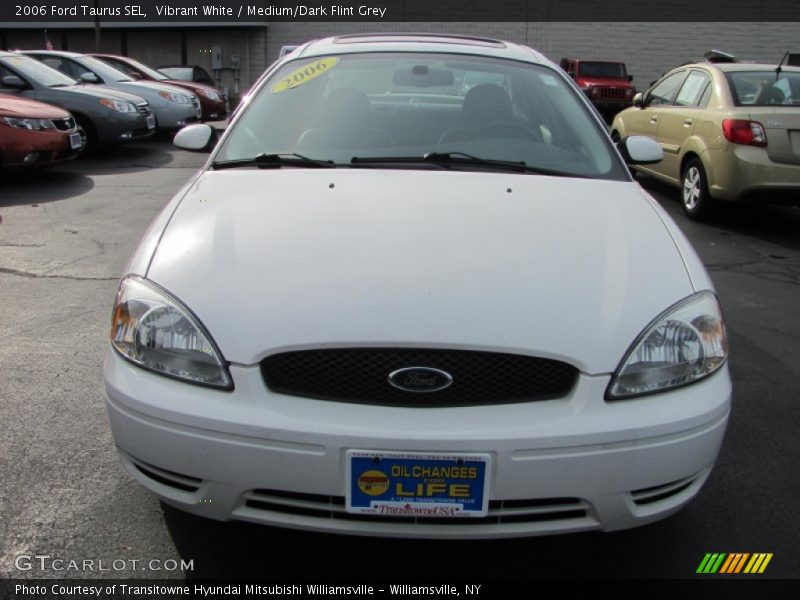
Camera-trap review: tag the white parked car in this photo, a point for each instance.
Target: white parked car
(392, 306)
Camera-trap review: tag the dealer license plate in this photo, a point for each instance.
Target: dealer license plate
(151, 122)
(394, 484)
(75, 141)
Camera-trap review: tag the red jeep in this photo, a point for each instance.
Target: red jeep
(607, 84)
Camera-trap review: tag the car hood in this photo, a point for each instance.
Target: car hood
(193, 86)
(564, 268)
(618, 81)
(11, 106)
(150, 87)
(99, 91)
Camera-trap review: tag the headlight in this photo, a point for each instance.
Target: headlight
(175, 97)
(683, 345)
(210, 94)
(32, 124)
(118, 105)
(152, 329)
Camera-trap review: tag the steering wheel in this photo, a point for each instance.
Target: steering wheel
(516, 130)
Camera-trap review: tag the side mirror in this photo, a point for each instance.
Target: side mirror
(13, 82)
(196, 138)
(640, 150)
(134, 75)
(638, 100)
(89, 78)
(630, 78)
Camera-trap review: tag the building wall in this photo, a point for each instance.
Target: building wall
(649, 49)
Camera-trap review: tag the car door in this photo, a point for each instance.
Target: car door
(676, 121)
(645, 121)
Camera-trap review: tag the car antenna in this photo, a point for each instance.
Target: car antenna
(779, 68)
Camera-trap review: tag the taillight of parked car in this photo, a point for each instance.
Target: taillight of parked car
(741, 131)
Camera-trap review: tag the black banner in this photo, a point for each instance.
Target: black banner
(136, 589)
(256, 12)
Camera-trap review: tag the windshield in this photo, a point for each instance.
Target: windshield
(410, 105)
(105, 71)
(179, 73)
(602, 69)
(147, 70)
(765, 88)
(32, 69)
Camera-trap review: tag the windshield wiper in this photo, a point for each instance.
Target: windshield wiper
(459, 158)
(273, 161)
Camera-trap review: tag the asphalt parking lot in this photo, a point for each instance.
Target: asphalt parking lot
(65, 235)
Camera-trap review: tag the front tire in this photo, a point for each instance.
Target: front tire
(695, 198)
(88, 135)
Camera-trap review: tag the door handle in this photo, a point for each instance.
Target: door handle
(688, 121)
(654, 119)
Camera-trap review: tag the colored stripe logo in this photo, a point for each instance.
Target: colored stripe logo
(734, 563)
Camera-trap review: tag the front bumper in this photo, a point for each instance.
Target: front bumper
(23, 148)
(115, 127)
(573, 464)
(171, 115)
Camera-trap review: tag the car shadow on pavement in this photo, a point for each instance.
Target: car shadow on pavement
(33, 187)
(140, 156)
(238, 550)
(771, 223)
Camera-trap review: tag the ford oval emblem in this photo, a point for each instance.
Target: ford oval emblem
(420, 379)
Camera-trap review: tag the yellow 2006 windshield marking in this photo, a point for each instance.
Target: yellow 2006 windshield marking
(305, 74)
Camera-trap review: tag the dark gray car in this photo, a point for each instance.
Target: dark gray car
(107, 116)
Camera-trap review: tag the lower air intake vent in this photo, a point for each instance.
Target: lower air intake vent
(657, 493)
(500, 511)
(168, 478)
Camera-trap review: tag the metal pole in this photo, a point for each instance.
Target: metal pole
(97, 26)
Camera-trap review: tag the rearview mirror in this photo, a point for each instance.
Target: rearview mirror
(13, 82)
(638, 100)
(640, 150)
(89, 78)
(630, 78)
(196, 138)
(422, 76)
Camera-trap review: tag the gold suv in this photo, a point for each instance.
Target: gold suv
(729, 130)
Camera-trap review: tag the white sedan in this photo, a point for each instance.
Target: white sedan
(391, 304)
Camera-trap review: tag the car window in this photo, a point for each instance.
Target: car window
(67, 67)
(412, 104)
(693, 89)
(202, 76)
(180, 73)
(143, 68)
(103, 70)
(764, 87)
(664, 91)
(31, 69)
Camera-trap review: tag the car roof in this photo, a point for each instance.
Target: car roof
(727, 67)
(53, 52)
(418, 42)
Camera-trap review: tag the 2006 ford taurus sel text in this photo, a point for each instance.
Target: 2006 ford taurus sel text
(392, 304)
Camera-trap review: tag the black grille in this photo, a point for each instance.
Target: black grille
(500, 511)
(360, 375)
(64, 124)
(611, 93)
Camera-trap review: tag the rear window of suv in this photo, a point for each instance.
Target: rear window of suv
(764, 88)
